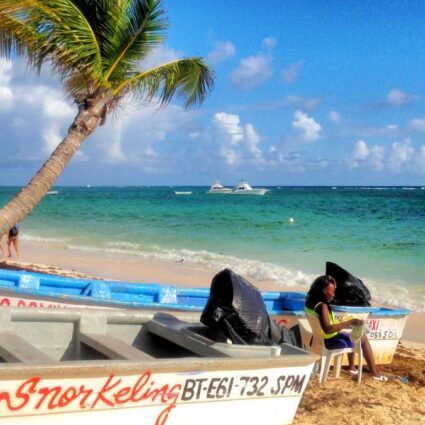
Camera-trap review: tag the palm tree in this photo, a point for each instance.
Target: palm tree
(97, 48)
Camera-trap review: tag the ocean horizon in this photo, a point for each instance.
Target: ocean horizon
(286, 236)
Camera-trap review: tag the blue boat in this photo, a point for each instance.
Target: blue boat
(384, 326)
(28, 289)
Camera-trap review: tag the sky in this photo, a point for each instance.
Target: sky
(319, 92)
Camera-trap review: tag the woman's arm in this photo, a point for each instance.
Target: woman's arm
(326, 325)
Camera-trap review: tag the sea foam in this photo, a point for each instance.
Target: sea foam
(383, 292)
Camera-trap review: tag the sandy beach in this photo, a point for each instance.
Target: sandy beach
(342, 401)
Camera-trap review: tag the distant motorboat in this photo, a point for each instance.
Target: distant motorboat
(243, 188)
(52, 192)
(182, 193)
(217, 187)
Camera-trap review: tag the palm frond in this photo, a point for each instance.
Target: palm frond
(99, 45)
(14, 36)
(60, 34)
(135, 32)
(191, 79)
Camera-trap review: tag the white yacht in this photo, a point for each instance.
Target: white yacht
(217, 187)
(243, 188)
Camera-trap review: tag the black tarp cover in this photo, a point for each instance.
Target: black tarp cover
(237, 308)
(350, 290)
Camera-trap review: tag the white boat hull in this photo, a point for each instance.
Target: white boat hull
(160, 369)
(257, 396)
(9, 300)
(384, 334)
(250, 192)
(223, 191)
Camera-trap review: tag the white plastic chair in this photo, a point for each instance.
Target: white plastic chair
(328, 355)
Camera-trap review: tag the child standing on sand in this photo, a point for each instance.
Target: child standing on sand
(13, 240)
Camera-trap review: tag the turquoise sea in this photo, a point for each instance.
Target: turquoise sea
(377, 233)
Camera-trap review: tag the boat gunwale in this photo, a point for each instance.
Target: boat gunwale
(94, 302)
(96, 368)
(86, 368)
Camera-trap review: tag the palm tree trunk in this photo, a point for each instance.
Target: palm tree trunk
(25, 201)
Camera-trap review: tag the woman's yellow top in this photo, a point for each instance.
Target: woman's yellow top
(332, 320)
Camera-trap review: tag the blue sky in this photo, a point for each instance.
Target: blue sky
(306, 93)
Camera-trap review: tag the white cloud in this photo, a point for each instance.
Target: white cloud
(134, 136)
(304, 103)
(362, 155)
(401, 154)
(149, 152)
(222, 51)
(420, 160)
(6, 97)
(6, 93)
(160, 55)
(5, 72)
(335, 117)
(229, 155)
(310, 129)
(51, 137)
(377, 157)
(370, 132)
(290, 74)
(391, 128)
(57, 109)
(236, 140)
(417, 124)
(229, 125)
(38, 116)
(361, 151)
(269, 42)
(114, 149)
(252, 141)
(396, 97)
(33, 95)
(399, 157)
(252, 71)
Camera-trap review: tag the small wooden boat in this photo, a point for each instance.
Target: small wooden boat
(384, 326)
(80, 366)
(188, 192)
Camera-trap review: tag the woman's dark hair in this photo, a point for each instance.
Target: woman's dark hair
(315, 294)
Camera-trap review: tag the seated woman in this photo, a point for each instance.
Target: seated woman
(318, 300)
